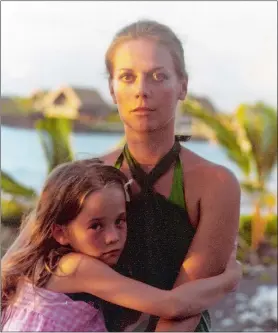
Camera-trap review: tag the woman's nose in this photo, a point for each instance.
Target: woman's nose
(142, 88)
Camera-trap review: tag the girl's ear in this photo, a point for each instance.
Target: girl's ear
(111, 89)
(59, 234)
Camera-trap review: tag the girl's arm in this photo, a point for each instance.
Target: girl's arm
(85, 274)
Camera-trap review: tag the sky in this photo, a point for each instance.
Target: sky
(230, 47)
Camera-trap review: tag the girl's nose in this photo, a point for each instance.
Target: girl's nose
(112, 236)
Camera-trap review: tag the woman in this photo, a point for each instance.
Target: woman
(147, 79)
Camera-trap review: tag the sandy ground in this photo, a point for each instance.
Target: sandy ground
(253, 307)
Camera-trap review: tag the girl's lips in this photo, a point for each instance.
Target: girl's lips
(112, 253)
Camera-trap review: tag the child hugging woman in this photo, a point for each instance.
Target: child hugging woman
(69, 246)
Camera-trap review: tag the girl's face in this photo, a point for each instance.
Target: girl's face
(100, 229)
(144, 77)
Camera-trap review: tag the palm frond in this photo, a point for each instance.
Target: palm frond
(13, 187)
(54, 134)
(252, 187)
(225, 133)
(260, 125)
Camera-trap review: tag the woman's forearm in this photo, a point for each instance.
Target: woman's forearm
(200, 294)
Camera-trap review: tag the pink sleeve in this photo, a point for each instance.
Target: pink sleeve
(26, 320)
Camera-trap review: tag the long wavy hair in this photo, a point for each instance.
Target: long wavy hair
(35, 253)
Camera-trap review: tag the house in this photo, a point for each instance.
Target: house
(75, 103)
(37, 98)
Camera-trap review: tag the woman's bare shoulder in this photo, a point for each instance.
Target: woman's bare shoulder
(205, 171)
(111, 157)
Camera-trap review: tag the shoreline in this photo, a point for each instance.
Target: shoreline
(99, 129)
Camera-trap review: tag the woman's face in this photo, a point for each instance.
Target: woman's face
(144, 78)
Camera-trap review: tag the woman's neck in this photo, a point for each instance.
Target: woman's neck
(149, 147)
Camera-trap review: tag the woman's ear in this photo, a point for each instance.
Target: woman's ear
(111, 89)
(183, 90)
(59, 234)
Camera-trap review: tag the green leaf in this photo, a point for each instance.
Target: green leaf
(24, 104)
(225, 133)
(11, 186)
(259, 123)
(11, 208)
(252, 187)
(55, 134)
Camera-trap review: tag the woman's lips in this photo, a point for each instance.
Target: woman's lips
(143, 111)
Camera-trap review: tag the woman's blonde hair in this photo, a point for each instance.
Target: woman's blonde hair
(153, 30)
(35, 253)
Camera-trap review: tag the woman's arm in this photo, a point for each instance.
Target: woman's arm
(217, 228)
(86, 274)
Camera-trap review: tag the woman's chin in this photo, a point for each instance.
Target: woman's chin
(144, 126)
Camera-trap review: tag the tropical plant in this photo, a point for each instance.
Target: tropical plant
(249, 138)
(17, 198)
(55, 134)
(23, 105)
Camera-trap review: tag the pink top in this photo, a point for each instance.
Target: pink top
(41, 310)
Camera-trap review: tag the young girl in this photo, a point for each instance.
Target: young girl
(69, 245)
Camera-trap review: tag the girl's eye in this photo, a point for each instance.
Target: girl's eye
(127, 77)
(96, 226)
(159, 76)
(120, 222)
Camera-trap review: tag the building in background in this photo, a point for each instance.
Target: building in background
(74, 103)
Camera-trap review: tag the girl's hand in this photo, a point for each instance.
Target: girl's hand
(233, 271)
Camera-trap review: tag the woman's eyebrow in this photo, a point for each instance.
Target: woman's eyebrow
(157, 68)
(150, 70)
(124, 69)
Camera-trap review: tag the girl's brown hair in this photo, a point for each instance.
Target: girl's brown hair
(36, 253)
(149, 29)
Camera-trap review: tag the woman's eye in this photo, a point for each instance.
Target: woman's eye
(120, 222)
(159, 76)
(127, 78)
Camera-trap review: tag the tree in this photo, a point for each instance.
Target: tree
(17, 198)
(249, 138)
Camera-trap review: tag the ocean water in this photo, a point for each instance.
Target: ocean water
(22, 156)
